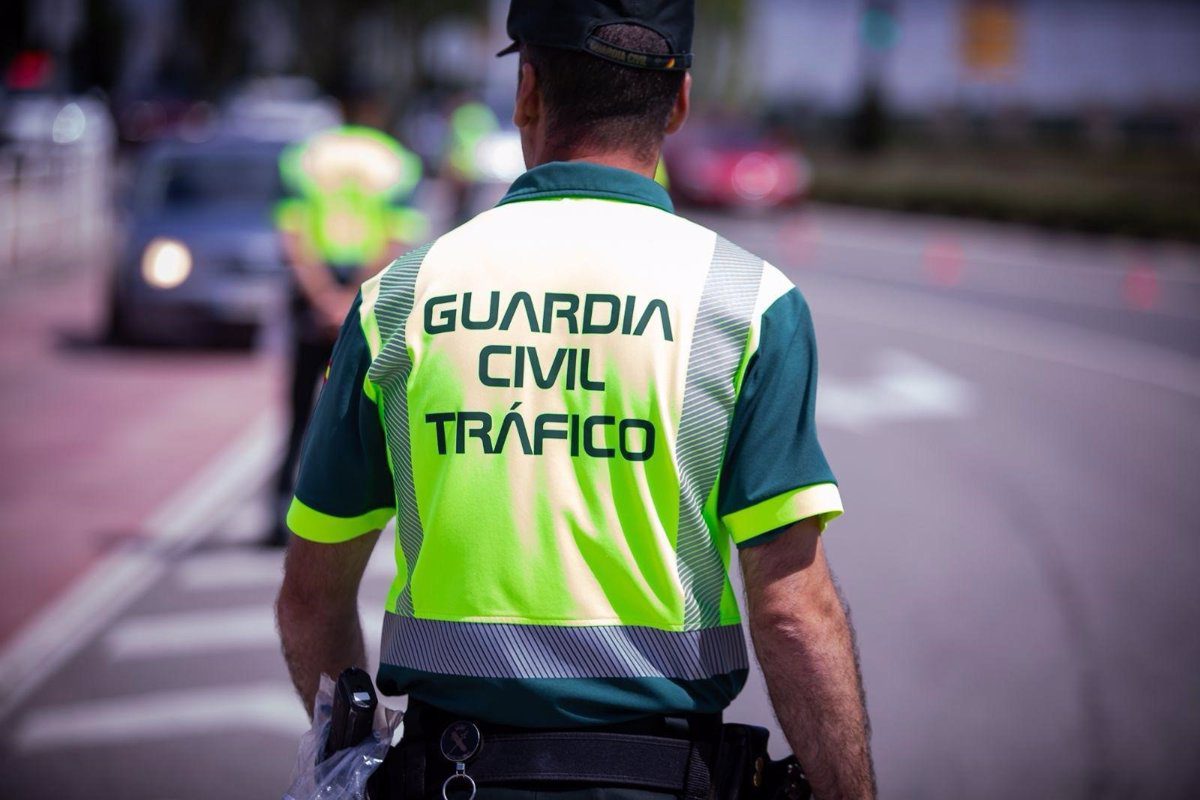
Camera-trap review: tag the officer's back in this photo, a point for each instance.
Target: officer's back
(572, 404)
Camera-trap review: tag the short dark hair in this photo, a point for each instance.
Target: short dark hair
(593, 101)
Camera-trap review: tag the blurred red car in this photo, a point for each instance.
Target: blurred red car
(729, 167)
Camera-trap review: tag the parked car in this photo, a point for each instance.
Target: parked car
(278, 108)
(201, 259)
(733, 167)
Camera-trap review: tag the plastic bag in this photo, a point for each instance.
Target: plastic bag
(344, 775)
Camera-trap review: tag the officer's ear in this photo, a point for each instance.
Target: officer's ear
(528, 108)
(683, 103)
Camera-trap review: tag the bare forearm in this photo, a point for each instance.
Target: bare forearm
(810, 664)
(315, 642)
(317, 610)
(805, 644)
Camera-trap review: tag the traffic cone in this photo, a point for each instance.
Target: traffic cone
(944, 261)
(1140, 289)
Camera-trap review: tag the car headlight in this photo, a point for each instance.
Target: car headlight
(166, 263)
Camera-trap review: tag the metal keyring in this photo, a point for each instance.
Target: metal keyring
(458, 776)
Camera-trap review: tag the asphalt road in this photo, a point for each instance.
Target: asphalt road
(1014, 418)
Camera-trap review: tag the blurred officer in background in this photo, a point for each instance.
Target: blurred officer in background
(470, 123)
(573, 405)
(345, 218)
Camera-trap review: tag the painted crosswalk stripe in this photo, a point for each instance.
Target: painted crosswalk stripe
(241, 569)
(64, 627)
(270, 708)
(218, 571)
(208, 631)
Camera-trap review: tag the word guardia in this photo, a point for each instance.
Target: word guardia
(558, 312)
(598, 436)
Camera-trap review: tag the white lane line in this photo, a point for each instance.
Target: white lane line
(1007, 332)
(90, 605)
(903, 388)
(270, 708)
(210, 631)
(1003, 245)
(1096, 284)
(1101, 265)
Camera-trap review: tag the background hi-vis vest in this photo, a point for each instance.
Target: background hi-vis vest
(470, 124)
(348, 187)
(571, 404)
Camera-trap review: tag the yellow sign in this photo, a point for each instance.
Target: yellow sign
(990, 30)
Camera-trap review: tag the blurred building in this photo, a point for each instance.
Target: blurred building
(1041, 55)
(1047, 56)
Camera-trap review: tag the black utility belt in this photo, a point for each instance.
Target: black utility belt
(724, 762)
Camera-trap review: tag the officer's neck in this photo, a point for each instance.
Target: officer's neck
(618, 159)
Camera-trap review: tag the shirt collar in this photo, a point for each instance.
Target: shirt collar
(585, 179)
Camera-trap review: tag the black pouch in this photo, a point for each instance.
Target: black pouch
(744, 771)
(784, 780)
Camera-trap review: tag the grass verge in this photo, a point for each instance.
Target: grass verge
(1149, 194)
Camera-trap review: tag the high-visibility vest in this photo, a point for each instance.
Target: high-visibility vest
(572, 405)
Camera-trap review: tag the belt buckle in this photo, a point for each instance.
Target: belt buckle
(460, 743)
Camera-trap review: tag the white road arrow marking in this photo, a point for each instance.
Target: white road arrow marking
(905, 388)
(270, 708)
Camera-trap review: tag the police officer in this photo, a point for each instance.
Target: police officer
(346, 217)
(572, 405)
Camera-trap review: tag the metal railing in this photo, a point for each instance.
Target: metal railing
(55, 207)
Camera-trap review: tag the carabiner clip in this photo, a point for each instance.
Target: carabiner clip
(460, 774)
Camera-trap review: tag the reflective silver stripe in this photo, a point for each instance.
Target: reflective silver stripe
(495, 650)
(722, 328)
(389, 371)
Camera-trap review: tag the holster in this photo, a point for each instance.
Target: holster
(745, 771)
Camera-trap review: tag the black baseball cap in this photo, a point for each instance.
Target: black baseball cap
(574, 24)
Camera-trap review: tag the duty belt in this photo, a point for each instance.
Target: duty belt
(442, 754)
(694, 758)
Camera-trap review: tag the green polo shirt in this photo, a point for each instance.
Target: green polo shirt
(572, 405)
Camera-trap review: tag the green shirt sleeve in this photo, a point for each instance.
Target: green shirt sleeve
(775, 472)
(344, 488)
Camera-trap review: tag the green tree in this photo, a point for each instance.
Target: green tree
(326, 34)
(208, 29)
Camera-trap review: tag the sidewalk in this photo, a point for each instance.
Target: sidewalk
(94, 439)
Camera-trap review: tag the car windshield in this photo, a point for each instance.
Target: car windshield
(192, 180)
